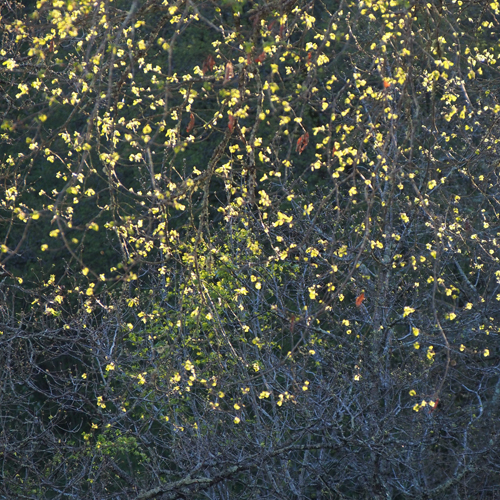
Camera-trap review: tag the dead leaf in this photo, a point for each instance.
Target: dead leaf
(191, 123)
(302, 143)
(435, 405)
(229, 72)
(208, 64)
(261, 57)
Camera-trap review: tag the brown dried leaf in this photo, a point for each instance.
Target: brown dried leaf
(302, 143)
(360, 299)
(191, 123)
(229, 72)
(208, 64)
(261, 57)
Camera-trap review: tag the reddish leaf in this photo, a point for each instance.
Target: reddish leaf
(191, 123)
(302, 143)
(435, 405)
(261, 57)
(360, 299)
(229, 72)
(208, 64)
(231, 123)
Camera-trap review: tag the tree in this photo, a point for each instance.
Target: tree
(250, 249)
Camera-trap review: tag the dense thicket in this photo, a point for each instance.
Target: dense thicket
(249, 249)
